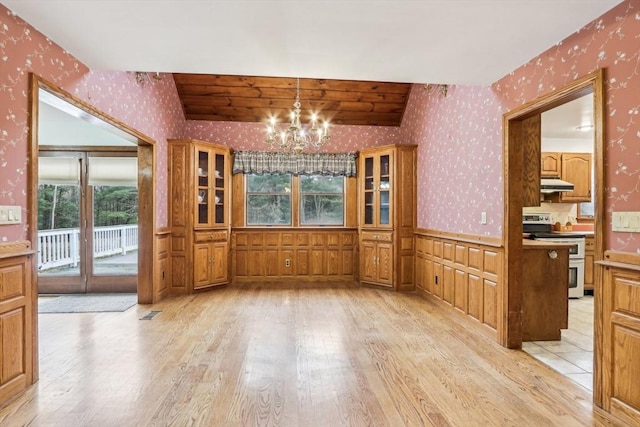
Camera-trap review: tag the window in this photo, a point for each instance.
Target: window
(268, 199)
(321, 200)
(287, 200)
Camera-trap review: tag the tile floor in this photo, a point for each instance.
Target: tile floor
(572, 356)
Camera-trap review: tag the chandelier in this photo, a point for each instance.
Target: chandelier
(297, 137)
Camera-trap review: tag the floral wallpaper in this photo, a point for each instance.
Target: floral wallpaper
(251, 136)
(152, 108)
(459, 158)
(460, 135)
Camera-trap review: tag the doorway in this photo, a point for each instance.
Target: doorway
(87, 221)
(514, 172)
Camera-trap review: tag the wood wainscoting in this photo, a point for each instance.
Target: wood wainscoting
(162, 267)
(620, 331)
(260, 254)
(464, 272)
(18, 322)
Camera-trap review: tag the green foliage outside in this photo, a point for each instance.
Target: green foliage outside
(59, 206)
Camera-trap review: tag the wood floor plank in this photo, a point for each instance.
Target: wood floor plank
(289, 355)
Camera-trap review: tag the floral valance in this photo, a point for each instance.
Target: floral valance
(261, 162)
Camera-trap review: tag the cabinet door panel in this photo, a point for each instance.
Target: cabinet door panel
(201, 264)
(219, 266)
(385, 263)
(367, 264)
(576, 169)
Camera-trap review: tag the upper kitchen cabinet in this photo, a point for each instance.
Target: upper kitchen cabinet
(550, 165)
(576, 169)
(387, 200)
(199, 214)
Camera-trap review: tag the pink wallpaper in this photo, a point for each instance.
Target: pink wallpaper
(460, 136)
(459, 158)
(251, 136)
(153, 109)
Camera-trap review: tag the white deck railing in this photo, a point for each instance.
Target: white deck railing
(61, 247)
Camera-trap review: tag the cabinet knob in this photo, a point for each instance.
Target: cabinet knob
(553, 254)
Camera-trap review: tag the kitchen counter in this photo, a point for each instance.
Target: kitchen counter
(544, 244)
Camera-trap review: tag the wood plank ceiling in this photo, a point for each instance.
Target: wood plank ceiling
(255, 99)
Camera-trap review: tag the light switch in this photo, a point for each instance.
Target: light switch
(10, 215)
(626, 222)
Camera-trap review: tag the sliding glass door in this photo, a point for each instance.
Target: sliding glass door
(87, 222)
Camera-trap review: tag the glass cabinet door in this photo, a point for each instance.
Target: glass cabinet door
(369, 191)
(219, 189)
(203, 213)
(211, 187)
(384, 190)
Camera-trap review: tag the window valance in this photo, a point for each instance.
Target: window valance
(261, 162)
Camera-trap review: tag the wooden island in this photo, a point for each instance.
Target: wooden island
(545, 293)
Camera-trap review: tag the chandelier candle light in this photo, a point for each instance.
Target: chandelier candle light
(295, 137)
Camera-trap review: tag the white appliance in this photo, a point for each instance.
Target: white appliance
(540, 227)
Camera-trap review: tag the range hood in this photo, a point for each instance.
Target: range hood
(554, 185)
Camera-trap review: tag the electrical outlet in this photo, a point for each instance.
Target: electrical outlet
(287, 262)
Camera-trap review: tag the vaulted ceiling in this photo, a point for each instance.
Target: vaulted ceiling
(254, 99)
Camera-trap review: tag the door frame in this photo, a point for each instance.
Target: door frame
(146, 193)
(510, 335)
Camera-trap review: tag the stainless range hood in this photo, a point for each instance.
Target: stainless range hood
(554, 185)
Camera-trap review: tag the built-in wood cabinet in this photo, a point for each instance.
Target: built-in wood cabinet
(618, 365)
(199, 207)
(377, 257)
(387, 212)
(589, 258)
(18, 301)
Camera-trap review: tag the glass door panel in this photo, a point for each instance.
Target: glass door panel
(115, 230)
(219, 198)
(384, 190)
(203, 216)
(369, 189)
(59, 203)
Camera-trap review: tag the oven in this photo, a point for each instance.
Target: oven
(539, 227)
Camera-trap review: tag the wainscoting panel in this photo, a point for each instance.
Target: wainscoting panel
(620, 331)
(462, 272)
(301, 254)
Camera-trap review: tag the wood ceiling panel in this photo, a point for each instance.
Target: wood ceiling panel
(255, 99)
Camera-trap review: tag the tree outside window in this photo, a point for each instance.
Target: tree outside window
(268, 199)
(321, 200)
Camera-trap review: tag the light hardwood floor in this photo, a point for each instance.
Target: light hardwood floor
(303, 355)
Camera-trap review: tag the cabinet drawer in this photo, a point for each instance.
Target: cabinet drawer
(210, 236)
(377, 236)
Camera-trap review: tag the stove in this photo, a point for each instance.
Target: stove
(540, 227)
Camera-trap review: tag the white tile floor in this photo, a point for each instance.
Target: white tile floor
(572, 356)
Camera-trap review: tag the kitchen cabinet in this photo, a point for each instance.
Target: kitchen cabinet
(576, 169)
(589, 258)
(387, 212)
(199, 214)
(550, 165)
(571, 167)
